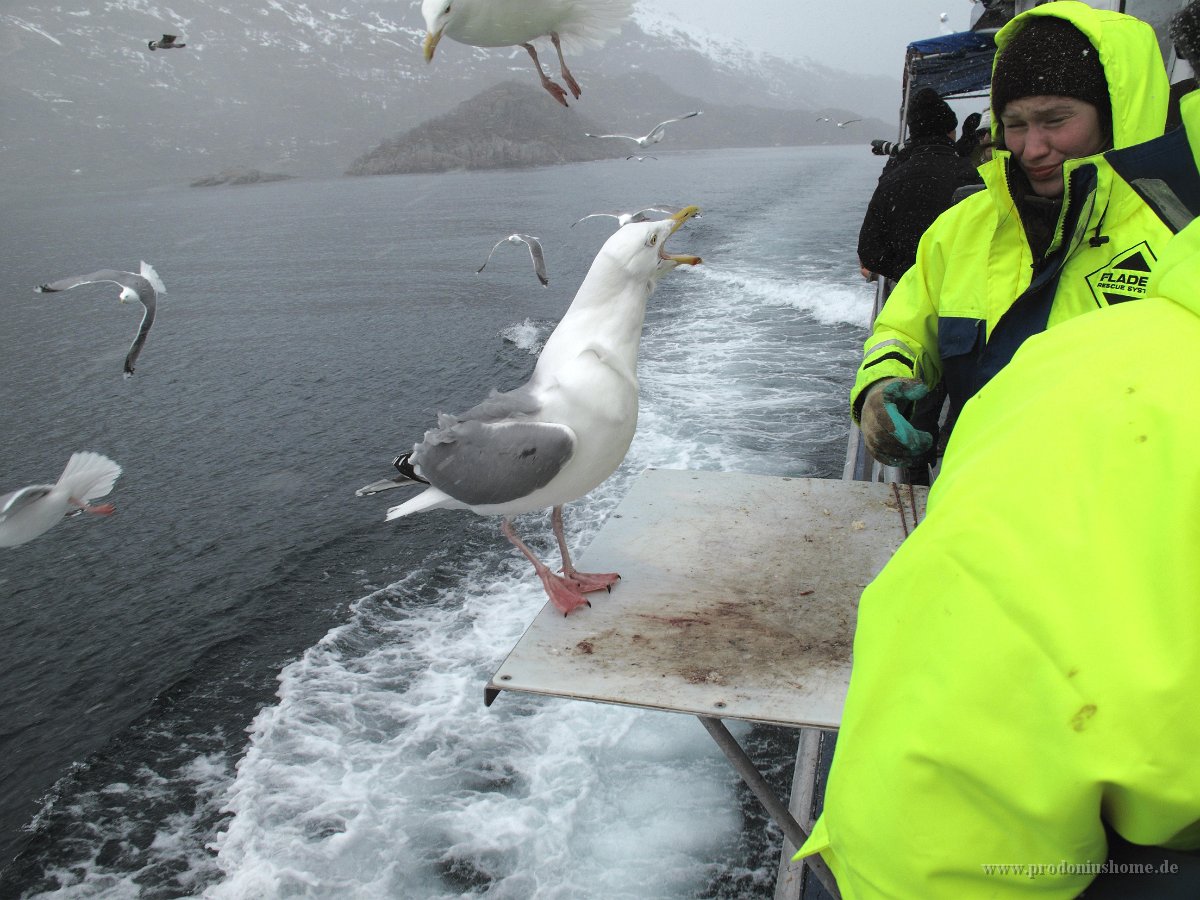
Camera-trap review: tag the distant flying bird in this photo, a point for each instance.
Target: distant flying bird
(655, 134)
(823, 119)
(579, 24)
(564, 431)
(640, 158)
(31, 511)
(535, 253)
(847, 122)
(144, 287)
(625, 218)
(166, 43)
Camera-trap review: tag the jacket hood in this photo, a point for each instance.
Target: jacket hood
(1133, 66)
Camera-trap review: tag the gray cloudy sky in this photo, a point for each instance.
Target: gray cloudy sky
(863, 36)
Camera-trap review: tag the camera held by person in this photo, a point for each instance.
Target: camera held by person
(886, 148)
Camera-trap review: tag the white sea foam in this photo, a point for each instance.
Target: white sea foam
(827, 301)
(526, 336)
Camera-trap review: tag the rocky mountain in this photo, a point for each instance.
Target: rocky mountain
(303, 88)
(511, 124)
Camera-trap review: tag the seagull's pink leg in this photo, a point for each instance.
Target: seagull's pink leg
(585, 581)
(555, 91)
(562, 65)
(562, 593)
(104, 509)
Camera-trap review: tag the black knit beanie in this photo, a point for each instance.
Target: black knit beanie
(1051, 57)
(929, 114)
(1185, 34)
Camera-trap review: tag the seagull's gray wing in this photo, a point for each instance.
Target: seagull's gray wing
(496, 452)
(489, 257)
(104, 275)
(658, 131)
(15, 501)
(539, 258)
(640, 215)
(628, 137)
(149, 299)
(616, 216)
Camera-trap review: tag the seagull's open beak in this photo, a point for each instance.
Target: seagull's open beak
(431, 42)
(679, 218)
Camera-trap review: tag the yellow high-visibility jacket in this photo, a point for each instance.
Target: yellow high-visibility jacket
(1027, 666)
(941, 320)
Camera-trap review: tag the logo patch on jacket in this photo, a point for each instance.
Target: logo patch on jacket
(1124, 277)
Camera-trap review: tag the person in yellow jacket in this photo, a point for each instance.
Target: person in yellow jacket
(1054, 235)
(1026, 684)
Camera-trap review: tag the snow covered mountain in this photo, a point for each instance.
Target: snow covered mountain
(305, 87)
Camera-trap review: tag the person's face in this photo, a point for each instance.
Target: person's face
(1044, 132)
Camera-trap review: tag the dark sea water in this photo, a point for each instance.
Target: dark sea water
(245, 683)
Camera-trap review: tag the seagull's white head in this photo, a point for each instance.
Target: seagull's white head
(438, 14)
(640, 247)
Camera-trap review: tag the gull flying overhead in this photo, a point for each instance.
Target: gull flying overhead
(625, 218)
(565, 430)
(640, 158)
(167, 42)
(847, 122)
(578, 24)
(31, 511)
(535, 253)
(655, 134)
(144, 286)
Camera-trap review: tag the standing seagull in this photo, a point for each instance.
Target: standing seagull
(565, 430)
(166, 43)
(655, 134)
(535, 253)
(145, 287)
(34, 510)
(508, 23)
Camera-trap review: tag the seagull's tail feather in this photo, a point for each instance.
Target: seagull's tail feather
(593, 23)
(89, 475)
(430, 498)
(151, 276)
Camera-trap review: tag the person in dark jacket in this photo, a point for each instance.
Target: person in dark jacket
(916, 190)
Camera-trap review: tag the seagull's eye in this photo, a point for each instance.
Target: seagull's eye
(653, 239)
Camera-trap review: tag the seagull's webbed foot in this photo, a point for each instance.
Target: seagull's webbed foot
(555, 91)
(586, 582)
(102, 509)
(562, 593)
(576, 90)
(591, 581)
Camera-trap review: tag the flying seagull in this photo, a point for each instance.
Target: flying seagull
(31, 511)
(145, 287)
(625, 218)
(166, 43)
(655, 134)
(579, 24)
(640, 158)
(535, 253)
(565, 430)
(847, 122)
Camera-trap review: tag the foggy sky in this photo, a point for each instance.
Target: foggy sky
(862, 36)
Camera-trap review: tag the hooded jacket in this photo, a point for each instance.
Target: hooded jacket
(976, 292)
(906, 202)
(1027, 666)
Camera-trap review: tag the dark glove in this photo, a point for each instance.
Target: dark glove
(971, 124)
(889, 436)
